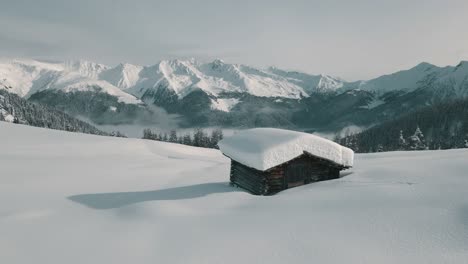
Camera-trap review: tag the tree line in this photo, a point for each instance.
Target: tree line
(439, 126)
(34, 114)
(199, 138)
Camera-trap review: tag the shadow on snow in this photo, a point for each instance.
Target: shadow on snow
(120, 199)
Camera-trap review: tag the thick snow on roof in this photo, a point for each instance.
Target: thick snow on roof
(265, 148)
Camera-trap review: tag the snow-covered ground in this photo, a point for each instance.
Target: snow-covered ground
(73, 198)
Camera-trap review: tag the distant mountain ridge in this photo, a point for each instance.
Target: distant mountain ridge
(26, 77)
(223, 94)
(180, 76)
(453, 78)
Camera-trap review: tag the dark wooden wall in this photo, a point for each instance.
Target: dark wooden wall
(250, 179)
(299, 171)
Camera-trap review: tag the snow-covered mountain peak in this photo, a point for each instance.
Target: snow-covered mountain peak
(36, 65)
(178, 63)
(328, 83)
(85, 68)
(124, 66)
(124, 75)
(404, 80)
(424, 65)
(463, 65)
(217, 63)
(179, 75)
(311, 83)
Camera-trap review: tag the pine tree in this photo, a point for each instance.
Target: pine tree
(216, 136)
(337, 138)
(354, 143)
(402, 145)
(180, 140)
(187, 140)
(120, 134)
(416, 141)
(199, 138)
(346, 142)
(205, 140)
(147, 134)
(173, 136)
(380, 148)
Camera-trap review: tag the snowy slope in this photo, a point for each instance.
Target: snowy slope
(224, 104)
(89, 199)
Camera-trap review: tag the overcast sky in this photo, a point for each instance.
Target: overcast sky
(350, 39)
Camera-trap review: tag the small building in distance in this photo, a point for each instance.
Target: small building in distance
(265, 161)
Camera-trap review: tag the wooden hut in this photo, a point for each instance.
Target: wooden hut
(265, 161)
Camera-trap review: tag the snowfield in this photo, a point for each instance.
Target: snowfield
(73, 198)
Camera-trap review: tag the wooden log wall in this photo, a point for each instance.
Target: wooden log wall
(250, 179)
(275, 180)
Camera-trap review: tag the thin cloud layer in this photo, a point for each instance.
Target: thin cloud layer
(350, 39)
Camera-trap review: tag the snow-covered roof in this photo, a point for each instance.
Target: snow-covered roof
(265, 148)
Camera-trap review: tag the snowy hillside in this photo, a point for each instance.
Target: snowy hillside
(74, 198)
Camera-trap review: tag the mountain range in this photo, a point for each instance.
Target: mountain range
(223, 94)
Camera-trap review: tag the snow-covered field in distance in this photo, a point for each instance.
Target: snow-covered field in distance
(74, 198)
